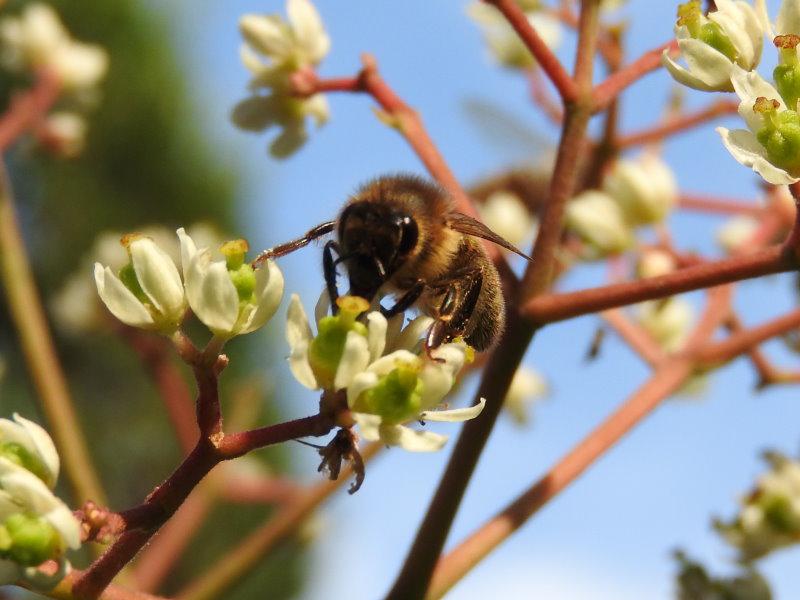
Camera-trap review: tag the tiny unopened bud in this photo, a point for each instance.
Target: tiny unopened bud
(654, 263)
(33, 540)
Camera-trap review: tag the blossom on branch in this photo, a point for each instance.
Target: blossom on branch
(273, 52)
(387, 377)
(229, 296)
(35, 526)
(505, 214)
(37, 40)
(669, 321)
(597, 219)
(771, 144)
(644, 188)
(526, 388)
(147, 292)
(769, 518)
(713, 45)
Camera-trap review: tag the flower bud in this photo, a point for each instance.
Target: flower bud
(644, 188)
(736, 232)
(506, 215)
(668, 321)
(30, 540)
(597, 219)
(654, 263)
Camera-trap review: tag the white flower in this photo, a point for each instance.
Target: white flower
(388, 379)
(29, 445)
(645, 188)
(736, 232)
(274, 50)
(668, 321)
(712, 46)
(37, 39)
(229, 296)
(654, 263)
(504, 43)
(598, 220)
(35, 525)
(148, 293)
(788, 21)
(506, 215)
(770, 514)
(768, 121)
(65, 133)
(526, 387)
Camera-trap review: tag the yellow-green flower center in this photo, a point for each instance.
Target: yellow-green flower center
(780, 134)
(21, 456)
(28, 540)
(325, 351)
(701, 28)
(397, 398)
(241, 273)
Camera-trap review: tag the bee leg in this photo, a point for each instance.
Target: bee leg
(405, 301)
(283, 249)
(457, 306)
(329, 268)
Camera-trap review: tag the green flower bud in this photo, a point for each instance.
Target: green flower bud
(787, 73)
(325, 351)
(397, 398)
(780, 134)
(33, 540)
(778, 512)
(21, 456)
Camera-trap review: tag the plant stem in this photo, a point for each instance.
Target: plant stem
(40, 355)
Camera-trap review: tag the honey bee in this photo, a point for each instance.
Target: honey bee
(401, 234)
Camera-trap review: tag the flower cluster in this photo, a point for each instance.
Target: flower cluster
(35, 526)
(635, 192)
(229, 296)
(713, 45)
(503, 42)
(388, 379)
(770, 515)
(37, 41)
(273, 52)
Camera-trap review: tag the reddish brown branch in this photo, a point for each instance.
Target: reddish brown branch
(237, 444)
(637, 338)
(28, 108)
(558, 307)
(721, 206)
(747, 339)
(605, 92)
(548, 61)
(678, 124)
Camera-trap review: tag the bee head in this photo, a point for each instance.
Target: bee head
(375, 239)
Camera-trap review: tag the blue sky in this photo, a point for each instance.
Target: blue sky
(610, 534)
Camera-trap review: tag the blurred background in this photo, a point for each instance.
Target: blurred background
(162, 150)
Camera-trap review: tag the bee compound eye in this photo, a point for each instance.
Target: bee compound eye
(408, 235)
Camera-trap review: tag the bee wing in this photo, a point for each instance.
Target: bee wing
(467, 225)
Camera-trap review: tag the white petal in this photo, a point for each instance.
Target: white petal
(437, 381)
(386, 364)
(368, 426)
(411, 439)
(267, 34)
(298, 331)
(211, 293)
(120, 300)
(763, 18)
(251, 60)
(376, 334)
(355, 359)
(322, 306)
(454, 415)
(731, 24)
(681, 75)
(300, 367)
(410, 336)
(188, 249)
(299, 336)
(453, 354)
(269, 291)
(317, 107)
(744, 147)
(361, 383)
(749, 86)
(788, 21)
(308, 29)
(159, 277)
(44, 447)
(709, 65)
